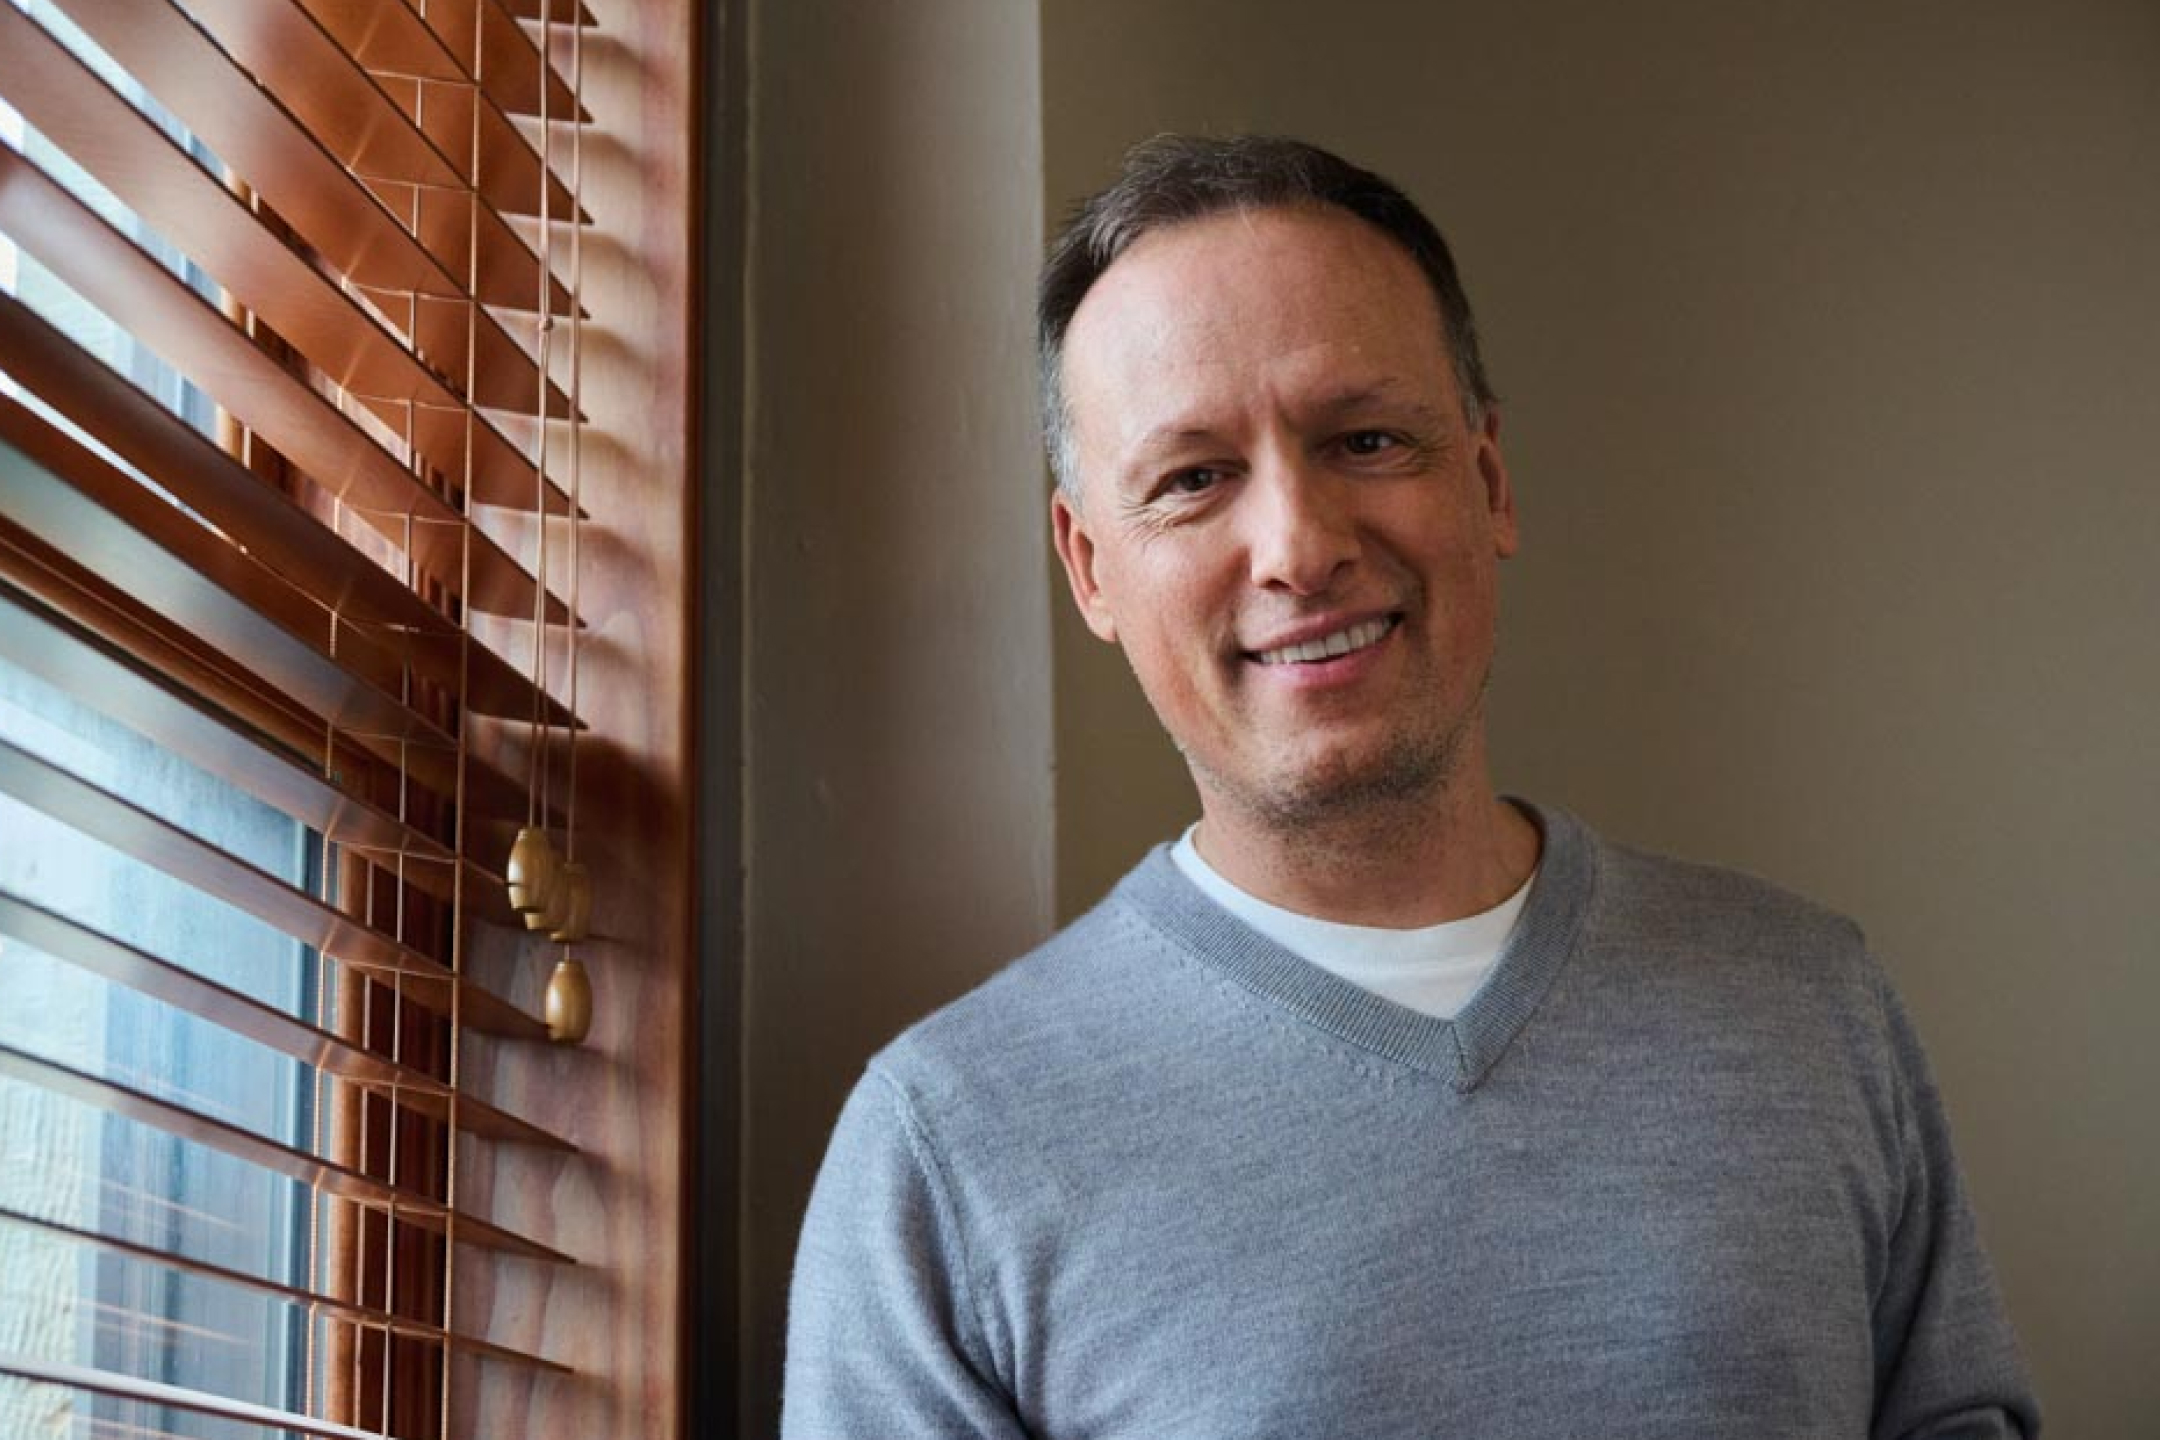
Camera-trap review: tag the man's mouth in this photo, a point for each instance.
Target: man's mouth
(1327, 647)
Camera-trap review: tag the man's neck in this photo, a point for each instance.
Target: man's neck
(1398, 866)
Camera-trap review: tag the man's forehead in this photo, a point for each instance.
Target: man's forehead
(1244, 271)
(1315, 304)
(1289, 236)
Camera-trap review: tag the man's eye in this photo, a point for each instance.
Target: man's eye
(1191, 482)
(1369, 442)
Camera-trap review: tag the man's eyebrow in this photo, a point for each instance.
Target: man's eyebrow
(1391, 394)
(1170, 437)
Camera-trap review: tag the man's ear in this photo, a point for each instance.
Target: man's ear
(1499, 494)
(1076, 548)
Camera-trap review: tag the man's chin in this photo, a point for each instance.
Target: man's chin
(1337, 789)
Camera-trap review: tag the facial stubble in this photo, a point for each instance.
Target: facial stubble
(1325, 810)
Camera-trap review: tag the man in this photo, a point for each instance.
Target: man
(1377, 1106)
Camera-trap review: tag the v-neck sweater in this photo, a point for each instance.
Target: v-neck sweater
(1460, 1049)
(1677, 1168)
(1432, 969)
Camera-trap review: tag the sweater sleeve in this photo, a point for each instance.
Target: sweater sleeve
(1947, 1363)
(883, 1336)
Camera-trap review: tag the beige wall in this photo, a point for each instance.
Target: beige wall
(1830, 343)
(897, 818)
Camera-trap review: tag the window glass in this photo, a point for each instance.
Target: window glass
(67, 1161)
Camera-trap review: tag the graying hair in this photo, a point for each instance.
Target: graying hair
(1173, 179)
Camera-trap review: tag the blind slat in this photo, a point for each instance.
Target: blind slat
(64, 654)
(208, 480)
(394, 37)
(298, 1295)
(339, 103)
(188, 205)
(170, 649)
(70, 497)
(298, 61)
(407, 1206)
(115, 275)
(151, 1392)
(70, 659)
(343, 220)
(183, 989)
(511, 68)
(166, 847)
(275, 530)
(43, 506)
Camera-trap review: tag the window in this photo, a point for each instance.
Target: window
(285, 660)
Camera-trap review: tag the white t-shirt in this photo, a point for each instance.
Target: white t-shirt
(1434, 969)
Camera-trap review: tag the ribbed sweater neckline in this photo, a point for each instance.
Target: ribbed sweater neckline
(1461, 1051)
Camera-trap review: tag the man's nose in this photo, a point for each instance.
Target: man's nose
(1301, 530)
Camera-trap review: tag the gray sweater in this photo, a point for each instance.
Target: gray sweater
(1676, 1170)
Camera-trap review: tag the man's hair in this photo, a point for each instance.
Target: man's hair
(1173, 179)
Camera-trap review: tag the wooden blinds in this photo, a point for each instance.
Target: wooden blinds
(279, 415)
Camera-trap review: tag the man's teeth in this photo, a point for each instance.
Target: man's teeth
(1327, 647)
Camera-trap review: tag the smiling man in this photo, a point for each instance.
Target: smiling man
(1291, 519)
(1376, 1105)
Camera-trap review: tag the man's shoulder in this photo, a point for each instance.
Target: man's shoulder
(1731, 925)
(1049, 1008)
(1655, 889)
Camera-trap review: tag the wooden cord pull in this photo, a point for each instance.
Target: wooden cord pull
(569, 1002)
(531, 871)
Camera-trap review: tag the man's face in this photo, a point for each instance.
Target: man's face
(1285, 518)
